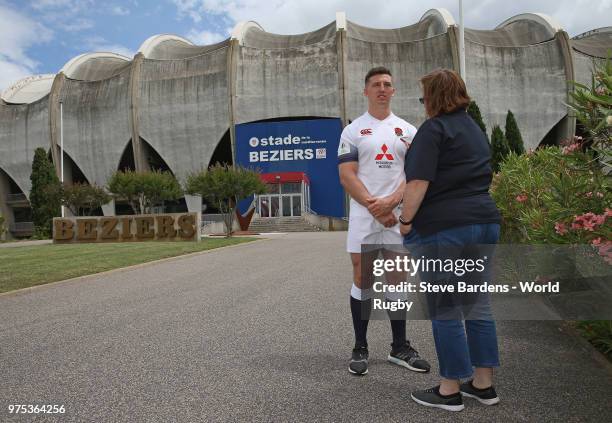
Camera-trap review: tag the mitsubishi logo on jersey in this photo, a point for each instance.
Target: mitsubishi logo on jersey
(384, 154)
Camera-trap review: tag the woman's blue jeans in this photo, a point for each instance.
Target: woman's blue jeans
(460, 348)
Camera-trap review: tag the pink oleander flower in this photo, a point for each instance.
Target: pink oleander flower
(588, 221)
(589, 194)
(521, 198)
(570, 148)
(600, 194)
(596, 241)
(560, 228)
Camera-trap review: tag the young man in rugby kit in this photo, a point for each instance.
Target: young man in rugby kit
(371, 166)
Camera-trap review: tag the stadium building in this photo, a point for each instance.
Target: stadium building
(275, 102)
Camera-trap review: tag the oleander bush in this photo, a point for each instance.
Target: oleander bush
(555, 195)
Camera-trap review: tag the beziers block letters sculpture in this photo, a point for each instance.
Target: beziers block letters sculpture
(158, 227)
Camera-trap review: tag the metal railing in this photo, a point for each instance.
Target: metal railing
(21, 227)
(209, 219)
(16, 197)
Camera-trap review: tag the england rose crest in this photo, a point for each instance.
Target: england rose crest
(399, 132)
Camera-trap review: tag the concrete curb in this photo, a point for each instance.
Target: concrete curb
(24, 291)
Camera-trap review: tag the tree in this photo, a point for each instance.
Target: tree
(474, 111)
(513, 135)
(143, 190)
(224, 186)
(2, 229)
(43, 200)
(83, 199)
(499, 148)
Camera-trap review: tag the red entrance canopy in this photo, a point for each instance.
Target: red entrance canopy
(282, 177)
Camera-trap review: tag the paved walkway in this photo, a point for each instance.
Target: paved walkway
(256, 332)
(13, 244)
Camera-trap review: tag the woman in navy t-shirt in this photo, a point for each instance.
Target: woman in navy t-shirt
(448, 214)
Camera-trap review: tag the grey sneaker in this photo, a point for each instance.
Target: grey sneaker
(486, 396)
(359, 361)
(432, 398)
(408, 357)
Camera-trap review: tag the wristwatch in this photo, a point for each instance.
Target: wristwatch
(405, 222)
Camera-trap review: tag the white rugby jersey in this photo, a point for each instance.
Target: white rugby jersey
(379, 146)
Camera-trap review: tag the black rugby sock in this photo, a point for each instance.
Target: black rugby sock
(398, 327)
(360, 310)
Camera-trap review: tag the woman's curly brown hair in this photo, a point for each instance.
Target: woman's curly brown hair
(444, 92)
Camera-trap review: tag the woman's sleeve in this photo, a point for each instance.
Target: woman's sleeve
(422, 156)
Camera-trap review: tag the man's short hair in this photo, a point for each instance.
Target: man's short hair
(444, 92)
(380, 70)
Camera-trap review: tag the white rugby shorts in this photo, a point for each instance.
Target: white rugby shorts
(368, 230)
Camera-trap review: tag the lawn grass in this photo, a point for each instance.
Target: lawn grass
(23, 267)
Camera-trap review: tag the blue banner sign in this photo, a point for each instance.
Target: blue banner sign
(308, 146)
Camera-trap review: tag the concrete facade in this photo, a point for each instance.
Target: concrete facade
(179, 100)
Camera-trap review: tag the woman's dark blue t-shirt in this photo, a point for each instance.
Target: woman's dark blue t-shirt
(452, 153)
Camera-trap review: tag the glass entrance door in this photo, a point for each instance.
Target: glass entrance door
(284, 200)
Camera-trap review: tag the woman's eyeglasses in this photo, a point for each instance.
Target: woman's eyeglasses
(421, 100)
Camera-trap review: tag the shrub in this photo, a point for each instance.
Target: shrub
(563, 195)
(554, 195)
(513, 135)
(224, 186)
(474, 111)
(143, 190)
(499, 148)
(43, 196)
(83, 199)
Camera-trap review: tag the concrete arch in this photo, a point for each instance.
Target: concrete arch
(95, 66)
(171, 47)
(596, 43)
(151, 152)
(69, 166)
(149, 45)
(545, 21)
(183, 107)
(425, 28)
(241, 28)
(96, 123)
(15, 181)
(25, 127)
(29, 89)
(519, 31)
(440, 19)
(255, 36)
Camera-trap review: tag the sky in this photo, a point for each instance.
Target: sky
(40, 36)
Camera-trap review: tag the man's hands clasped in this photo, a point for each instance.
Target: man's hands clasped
(382, 209)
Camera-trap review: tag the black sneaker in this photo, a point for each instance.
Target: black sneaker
(408, 357)
(486, 396)
(432, 398)
(359, 361)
